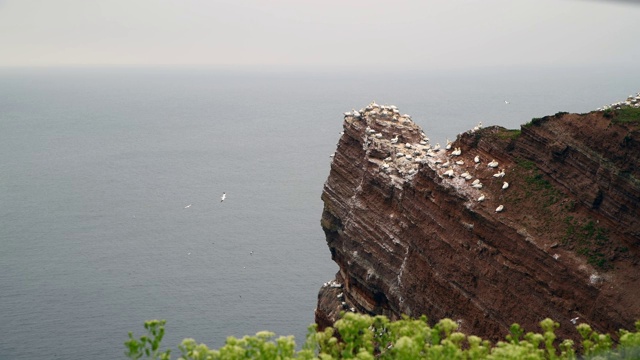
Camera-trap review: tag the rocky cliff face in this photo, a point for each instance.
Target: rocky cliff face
(417, 230)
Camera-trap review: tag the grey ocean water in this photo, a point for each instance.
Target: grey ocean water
(98, 165)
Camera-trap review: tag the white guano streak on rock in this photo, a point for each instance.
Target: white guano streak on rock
(404, 263)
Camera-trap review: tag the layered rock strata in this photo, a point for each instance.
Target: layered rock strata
(500, 226)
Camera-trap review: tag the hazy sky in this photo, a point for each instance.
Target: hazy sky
(353, 33)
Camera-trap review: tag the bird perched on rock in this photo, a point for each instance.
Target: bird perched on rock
(500, 208)
(505, 185)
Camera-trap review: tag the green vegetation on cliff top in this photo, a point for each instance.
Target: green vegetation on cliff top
(623, 115)
(358, 336)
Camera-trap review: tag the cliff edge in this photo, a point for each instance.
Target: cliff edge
(499, 226)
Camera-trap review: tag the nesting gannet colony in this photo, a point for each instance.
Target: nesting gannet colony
(400, 150)
(631, 101)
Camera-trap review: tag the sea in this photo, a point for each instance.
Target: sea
(111, 182)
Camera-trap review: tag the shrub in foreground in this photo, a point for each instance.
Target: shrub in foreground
(357, 336)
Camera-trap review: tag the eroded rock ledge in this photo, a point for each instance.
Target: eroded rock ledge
(410, 236)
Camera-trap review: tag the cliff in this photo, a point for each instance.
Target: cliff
(406, 226)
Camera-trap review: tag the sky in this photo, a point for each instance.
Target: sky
(409, 34)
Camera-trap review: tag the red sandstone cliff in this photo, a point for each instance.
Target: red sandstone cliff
(410, 236)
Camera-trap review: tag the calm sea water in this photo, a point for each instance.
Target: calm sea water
(98, 165)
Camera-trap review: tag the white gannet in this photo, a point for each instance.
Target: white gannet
(422, 142)
(407, 145)
(224, 196)
(500, 208)
(477, 186)
(506, 102)
(505, 185)
(481, 198)
(499, 174)
(476, 181)
(437, 147)
(459, 162)
(456, 152)
(574, 320)
(188, 206)
(355, 113)
(476, 159)
(394, 140)
(348, 113)
(448, 146)
(465, 174)
(493, 164)
(399, 154)
(445, 165)
(379, 136)
(449, 173)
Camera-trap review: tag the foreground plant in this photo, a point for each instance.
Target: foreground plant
(357, 336)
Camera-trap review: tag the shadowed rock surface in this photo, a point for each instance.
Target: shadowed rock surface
(410, 236)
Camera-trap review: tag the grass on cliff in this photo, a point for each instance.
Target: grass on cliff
(623, 115)
(508, 134)
(590, 239)
(537, 187)
(553, 210)
(539, 121)
(358, 336)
